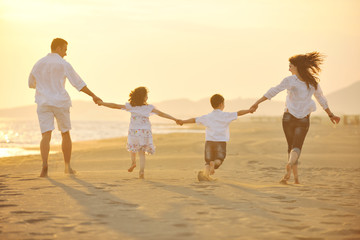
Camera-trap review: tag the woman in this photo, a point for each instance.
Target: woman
(300, 87)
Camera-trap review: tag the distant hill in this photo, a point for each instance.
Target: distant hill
(346, 100)
(343, 101)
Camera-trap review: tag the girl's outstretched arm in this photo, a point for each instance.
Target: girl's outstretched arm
(190, 120)
(111, 105)
(164, 115)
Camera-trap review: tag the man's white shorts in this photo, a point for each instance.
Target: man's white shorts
(46, 115)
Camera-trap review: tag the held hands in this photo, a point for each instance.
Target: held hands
(97, 100)
(179, 122)
(253, 108)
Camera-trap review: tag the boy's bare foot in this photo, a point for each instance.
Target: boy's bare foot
(201, 176)
(44, 171)
(69, 170)
(141, 175)
(131, 168)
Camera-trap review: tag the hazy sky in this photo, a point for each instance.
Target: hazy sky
(178, 48)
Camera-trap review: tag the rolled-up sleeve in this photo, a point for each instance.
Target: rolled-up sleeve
(73, 77)
(272, 92)
(32, 81)
(320, 97)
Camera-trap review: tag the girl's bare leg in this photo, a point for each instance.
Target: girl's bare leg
(142, 164)
(133, 162)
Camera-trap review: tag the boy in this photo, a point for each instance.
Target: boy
(217, 134)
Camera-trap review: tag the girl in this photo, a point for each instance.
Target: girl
(139, 136)
(300, 87)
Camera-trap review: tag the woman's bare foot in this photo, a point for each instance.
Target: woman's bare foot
(141, 175)
(131, 168)
(44, 171)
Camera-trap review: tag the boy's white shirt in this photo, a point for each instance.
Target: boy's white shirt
(217, 125)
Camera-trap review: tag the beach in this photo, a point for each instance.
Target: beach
(246, 201)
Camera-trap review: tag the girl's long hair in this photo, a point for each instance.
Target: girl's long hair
(308, 66)
(137, 97)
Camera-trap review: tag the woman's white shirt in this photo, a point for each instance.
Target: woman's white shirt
(299, 100)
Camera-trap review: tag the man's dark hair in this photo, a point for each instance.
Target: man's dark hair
(216, 100)
(57, 42)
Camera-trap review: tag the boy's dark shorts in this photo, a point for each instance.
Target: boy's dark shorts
(215, 151)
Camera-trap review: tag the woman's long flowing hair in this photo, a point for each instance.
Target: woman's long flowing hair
(308, 66)
(137, 97)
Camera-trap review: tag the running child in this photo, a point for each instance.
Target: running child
(140, 138)
(217, 134)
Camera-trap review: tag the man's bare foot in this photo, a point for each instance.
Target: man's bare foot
(283, 181)
(44, 171)
(141, 175)
(69, 170)
(297, 181)
(131, 168)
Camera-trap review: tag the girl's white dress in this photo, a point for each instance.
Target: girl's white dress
(140, 135)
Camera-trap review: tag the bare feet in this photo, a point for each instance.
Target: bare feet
(133, 165)
(201, 176)
(297, 181)
(69, 170)
(44, 171)
(141, 175)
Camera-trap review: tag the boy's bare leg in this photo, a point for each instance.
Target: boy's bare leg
(296, 175)
(207, 170)
(212, 167)
(44, 150)
(66, 147)
(133, 161)
(142, 164)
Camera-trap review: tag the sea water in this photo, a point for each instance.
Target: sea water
(17, 136)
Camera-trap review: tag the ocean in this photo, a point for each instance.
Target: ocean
(16, 136)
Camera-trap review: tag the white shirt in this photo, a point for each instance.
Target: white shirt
(48, 77)
(139, 116)
(217, 125)
(299, 100)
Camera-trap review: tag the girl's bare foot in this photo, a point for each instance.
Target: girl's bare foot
(44, 171)
(131, 168)
(141, 175)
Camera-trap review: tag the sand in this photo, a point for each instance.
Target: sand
(104, 201)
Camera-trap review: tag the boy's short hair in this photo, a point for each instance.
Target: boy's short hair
(58, 42)
(216, 100)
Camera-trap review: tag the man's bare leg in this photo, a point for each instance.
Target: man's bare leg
(133, 161)
(66, 147)
(44, 150)
(142, 164)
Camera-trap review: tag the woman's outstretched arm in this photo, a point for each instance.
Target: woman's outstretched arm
(256, 104)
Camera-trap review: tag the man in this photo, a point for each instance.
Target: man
(48, 78)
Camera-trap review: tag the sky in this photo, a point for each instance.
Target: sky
(178, 48)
